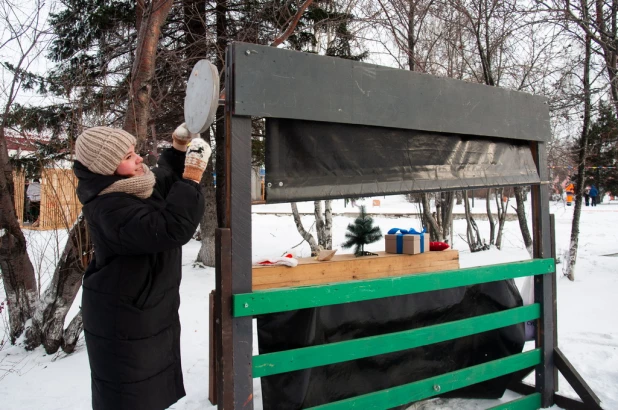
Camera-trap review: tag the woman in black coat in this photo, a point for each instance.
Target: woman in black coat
(138, 220)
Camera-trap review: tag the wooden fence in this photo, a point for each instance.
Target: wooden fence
(19, 182)
(59, 204)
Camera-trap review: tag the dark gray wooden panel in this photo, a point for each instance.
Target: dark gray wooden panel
(271, 82)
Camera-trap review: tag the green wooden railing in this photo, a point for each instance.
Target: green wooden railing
(286, 299)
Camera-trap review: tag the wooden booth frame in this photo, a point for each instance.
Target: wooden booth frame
(250, 71)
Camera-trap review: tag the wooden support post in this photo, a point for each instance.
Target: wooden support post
(234, 273)
(239, 171)
(223, 321)
(577, 382)
(212, 350)
(554, 287)
(543, 292)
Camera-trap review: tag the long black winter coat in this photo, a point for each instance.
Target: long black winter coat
(131, 289)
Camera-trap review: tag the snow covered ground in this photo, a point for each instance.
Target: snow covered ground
(587, 325)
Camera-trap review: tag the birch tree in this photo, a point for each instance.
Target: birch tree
(582, 152)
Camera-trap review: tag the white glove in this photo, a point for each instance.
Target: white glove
(198, 153)
(182, 135)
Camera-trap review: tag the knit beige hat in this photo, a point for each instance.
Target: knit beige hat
(101, 149)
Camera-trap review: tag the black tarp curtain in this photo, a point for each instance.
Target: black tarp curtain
(308, 160)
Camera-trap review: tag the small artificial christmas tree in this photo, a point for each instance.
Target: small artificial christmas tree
(361, 233)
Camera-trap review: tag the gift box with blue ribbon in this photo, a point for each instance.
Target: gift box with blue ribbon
(406, 241)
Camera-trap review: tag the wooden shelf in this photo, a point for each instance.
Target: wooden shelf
(347, 267)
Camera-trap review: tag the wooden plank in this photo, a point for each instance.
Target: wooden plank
(408, 393)
(576, 381)
(347, 267)
(285, 299)
(543, 290)
(19, 186)
(345, 277)
(270, 82)
(331, 273)
(531, 402)
(314, 356)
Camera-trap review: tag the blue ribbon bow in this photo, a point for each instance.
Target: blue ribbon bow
(399, 238)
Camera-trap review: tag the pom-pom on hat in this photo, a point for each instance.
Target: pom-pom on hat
(101, 149)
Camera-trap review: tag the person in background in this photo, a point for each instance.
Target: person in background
(587, 196)
(33, 193)
(570, 191)
(139, 219)
(594, 193)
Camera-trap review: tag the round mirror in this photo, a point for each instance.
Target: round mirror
(202, 97)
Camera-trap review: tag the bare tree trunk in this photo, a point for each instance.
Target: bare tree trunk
(475, 243)
(15, 265)
(208, 223)
(608, 42)
(301, 230)
(447, 216)
(459, 197)
(328, 225)
(521, 216)
(197, 48)
(319, 223)
(502, 207)
(51, 310)
(490, 218)
(151, 16)
(469, 233)
(72, 332)
(410, 30)
(581, 166)
(221, 8)
(435, 231)
(17, 271)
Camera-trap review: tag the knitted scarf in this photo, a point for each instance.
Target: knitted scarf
(140, 186)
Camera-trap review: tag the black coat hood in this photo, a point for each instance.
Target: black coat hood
(90, 184)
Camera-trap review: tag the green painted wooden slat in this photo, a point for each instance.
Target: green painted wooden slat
(408, 393)
(532, 402)
(314, 356)
(285, 299)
